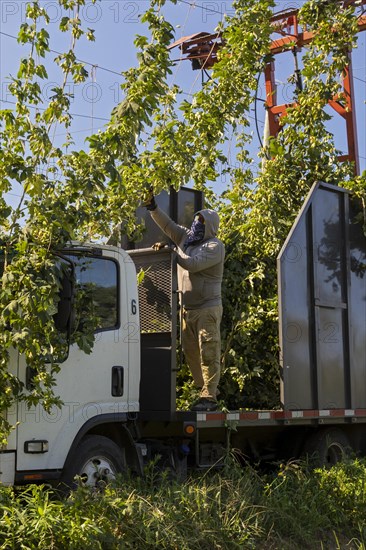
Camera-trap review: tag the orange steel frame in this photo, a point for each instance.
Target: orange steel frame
(202, 48)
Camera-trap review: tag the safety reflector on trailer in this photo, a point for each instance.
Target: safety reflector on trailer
(270, 417)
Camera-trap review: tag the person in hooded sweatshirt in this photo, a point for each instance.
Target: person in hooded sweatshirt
(200, 257)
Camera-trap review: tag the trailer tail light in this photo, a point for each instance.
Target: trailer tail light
(36, 446)
(189, 428)
(33, 477)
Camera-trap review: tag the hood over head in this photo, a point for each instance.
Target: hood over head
(201, 231)
(212, 222)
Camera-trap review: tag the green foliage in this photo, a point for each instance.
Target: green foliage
(152, 140)
(66, 196)
(44, 220)
(238, 508)
(328, 504)
(257, 212)
(257, 219)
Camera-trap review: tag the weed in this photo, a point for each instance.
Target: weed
(237, 508)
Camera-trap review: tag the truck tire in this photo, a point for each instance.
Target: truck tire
(96, 462)
(327, 447)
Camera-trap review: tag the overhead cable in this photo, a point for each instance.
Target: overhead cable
(77, 59)
(41, 109)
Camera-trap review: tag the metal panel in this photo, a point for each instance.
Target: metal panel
(155, 291)
(330, 295)
(158, 322)
(330, 358)
(328, 236)
(295, 320)
(357, 306)
(189, 201)
(322, 305)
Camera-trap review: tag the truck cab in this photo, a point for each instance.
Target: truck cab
(103, 393)
(101, 385)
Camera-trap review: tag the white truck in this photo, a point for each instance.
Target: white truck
(119, 401)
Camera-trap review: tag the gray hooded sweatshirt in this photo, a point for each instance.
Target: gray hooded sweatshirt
(201, 265)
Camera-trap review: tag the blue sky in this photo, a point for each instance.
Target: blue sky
(116, 22)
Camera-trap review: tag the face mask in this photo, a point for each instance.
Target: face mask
(196, 233)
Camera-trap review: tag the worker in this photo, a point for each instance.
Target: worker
(200, 258)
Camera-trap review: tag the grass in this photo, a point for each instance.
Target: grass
(290, 508)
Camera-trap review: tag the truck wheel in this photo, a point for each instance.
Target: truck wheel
(327, 447)
(96, 461)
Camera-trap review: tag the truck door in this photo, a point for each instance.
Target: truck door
(89, 384)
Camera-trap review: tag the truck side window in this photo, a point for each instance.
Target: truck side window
(98, 278)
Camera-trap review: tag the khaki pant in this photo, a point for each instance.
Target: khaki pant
(201, 342)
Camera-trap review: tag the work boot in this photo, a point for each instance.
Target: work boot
(204, 405)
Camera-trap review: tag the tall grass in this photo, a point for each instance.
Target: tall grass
(236, 508)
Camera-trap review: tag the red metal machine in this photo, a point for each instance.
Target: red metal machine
(201, 49)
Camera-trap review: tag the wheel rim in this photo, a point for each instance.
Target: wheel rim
(335, 454)
(97, 472)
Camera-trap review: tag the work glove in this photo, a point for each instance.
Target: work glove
(159, 245)
(149, 203)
